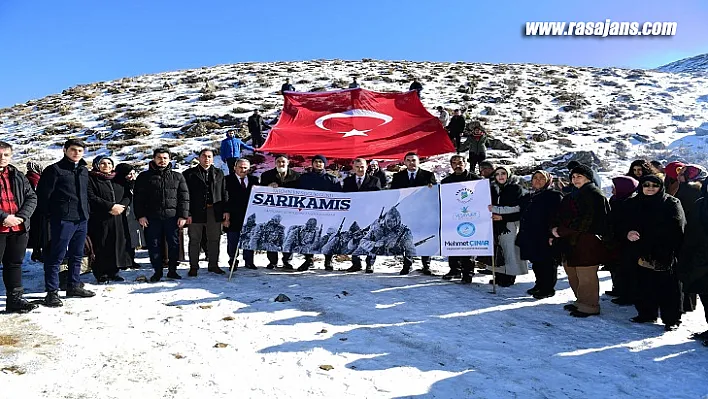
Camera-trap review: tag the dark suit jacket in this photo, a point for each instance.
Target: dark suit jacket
(198, 193)
(422, 178)
(370, 183)
(238, 200)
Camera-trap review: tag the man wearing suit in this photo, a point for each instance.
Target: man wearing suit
(238, 186)
(280, 176)
(361, 181)
(413, 176)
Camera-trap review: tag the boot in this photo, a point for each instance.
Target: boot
(369, 269)
(173, 275)
(192, 272)
(405, 270)
(426, 270)
(37, 255)
(544, 294)
(217, 270)
(251, 267)
(116, 277)
(288, 266)
(79, 292)
(354, 269)
(304, 267)
(466, 279)
(452, 274)
(532, 291)
(270, 266)
(157, 276)
(52, 300)
(15, 303)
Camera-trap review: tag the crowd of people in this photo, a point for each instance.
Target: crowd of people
(652, 234)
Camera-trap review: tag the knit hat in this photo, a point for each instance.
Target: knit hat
(582, 170)
(321, 158)
(694, 173)
(624, 186)
(572, 164)
(671, 169)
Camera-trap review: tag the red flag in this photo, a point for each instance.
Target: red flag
(357, 122)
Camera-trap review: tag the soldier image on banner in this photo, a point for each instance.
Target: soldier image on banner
(389, 238)
(247, 231)
(302, 239)
(325, 239)
(268, 236)
(339, 242)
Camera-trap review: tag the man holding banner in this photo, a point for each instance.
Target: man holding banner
(460, 266)
(413, 176)
(360, 181)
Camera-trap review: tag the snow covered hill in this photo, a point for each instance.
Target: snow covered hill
(537, 112)
(697, 64)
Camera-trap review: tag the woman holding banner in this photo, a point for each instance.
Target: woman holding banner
(506, 214)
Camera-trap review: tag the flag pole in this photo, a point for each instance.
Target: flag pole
(233, 264)
(494, 272)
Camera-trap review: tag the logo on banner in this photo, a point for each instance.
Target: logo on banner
(466, 214)
(464, 195)
(466, 229)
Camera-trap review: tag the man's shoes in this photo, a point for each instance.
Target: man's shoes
(157, 276)
(426, 271)
(622, 301)
(304, 267)
(79, 292)
(570, 307)
(251, 266)
(532, 291)
(451, 274)
(329, 268)
(116, 278)
(672, 326)
(102, 279)
(52, 300)
(640, 320)
(193, 272)
(353, 269)
(467, 279)
(15, 303)
(134, 266)
(544, 294)
(288, 266)
(369, 269)
(405, 271)
(579, 314)
(270, 266)
(612, 292)
(173, 275)
(700, 336)
(485, 271)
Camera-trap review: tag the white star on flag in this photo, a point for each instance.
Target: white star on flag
(355, 132)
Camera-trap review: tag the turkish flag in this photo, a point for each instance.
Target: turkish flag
(357, 123)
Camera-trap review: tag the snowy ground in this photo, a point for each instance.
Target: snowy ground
(385, 335)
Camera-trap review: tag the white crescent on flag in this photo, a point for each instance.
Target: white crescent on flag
(352, 113)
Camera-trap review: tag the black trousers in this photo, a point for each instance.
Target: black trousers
(704, 301)
(463, 264)
(273, 258)
(624, 279)
(256, 139)
(658, 293)
(456, 138)
(475, 159)
(12, 253)
(408, 261)
(546, 272)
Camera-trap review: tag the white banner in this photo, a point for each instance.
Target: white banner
(465, 219)
(386, 223)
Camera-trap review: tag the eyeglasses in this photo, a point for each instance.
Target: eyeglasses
(651, 185)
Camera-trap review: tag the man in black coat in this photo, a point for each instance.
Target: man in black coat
(318, 179)
(280, 176)
(207, 202)
(360, 181)
(256, 125)
(456, 127)
(460, 266)
(17, 204)
(417, 86)
(287, 86)
(63, 197)
(162, 207)
(238, 186)
(413, 176)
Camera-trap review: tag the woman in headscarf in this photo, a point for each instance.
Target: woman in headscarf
(535, 231)
(135, 237)
(107, 200)
(655, 229)
(506, 213)
(622, 268)
(639, 168)
(38, 232)
(580, 227)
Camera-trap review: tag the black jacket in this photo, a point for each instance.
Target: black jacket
(256, 124)
(537, 214)
(161, 193)
(422, 178)
(381, 175)
(322, 181)
(62, 191)
(416, 85)
(457, 125)
(107, 232)
(25, 197)
(370, 183)
(466, 176)
(291, 179)
(199, 190)
(238, 200)
(287, 87)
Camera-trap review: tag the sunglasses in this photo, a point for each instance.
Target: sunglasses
(652, 185)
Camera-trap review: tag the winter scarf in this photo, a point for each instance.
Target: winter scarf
(694, 173)
(96, 172)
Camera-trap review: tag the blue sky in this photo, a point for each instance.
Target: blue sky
(50, 45)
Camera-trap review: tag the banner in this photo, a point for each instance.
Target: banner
(465, 219)
(386, 223)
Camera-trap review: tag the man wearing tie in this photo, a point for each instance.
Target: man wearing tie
(361, 181)
(238, 186)
(413, 176)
